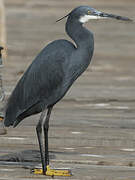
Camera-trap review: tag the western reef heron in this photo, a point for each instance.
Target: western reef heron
(52, 73)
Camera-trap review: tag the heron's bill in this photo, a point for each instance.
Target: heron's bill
(113, 16)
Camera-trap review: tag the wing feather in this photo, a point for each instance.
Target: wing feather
(42, 79)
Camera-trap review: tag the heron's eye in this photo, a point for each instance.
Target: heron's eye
(88, 12)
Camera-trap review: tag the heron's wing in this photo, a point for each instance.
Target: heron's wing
(46, 74)
(36, 85)
(43, 78)
(39, 83)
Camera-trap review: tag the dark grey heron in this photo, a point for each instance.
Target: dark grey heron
(52, 73)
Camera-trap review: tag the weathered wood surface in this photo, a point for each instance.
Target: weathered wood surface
(2, 56)
(2, 43)
(2, 24)
(93, 129)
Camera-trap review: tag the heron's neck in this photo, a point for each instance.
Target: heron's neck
(81, 36)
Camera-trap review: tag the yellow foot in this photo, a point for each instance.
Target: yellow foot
(53, 172)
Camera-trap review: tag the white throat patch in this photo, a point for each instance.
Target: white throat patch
(86, 18)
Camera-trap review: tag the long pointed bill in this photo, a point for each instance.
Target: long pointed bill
(106, 15)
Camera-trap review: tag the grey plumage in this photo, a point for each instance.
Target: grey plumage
(52, 73)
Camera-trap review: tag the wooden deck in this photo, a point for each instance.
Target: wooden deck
(92, 130)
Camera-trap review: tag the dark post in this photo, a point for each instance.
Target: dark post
(2, 96)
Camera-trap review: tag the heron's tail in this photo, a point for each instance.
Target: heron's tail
(10, 113)
(9, 117)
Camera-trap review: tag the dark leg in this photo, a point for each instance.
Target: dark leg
(46, 127)
(40, 140)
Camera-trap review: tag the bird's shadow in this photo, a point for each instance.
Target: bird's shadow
(26, 158)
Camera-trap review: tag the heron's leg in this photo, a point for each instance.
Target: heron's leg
(46, 127)
(40, 140)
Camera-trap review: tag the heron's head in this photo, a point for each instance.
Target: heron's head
(85, 13)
